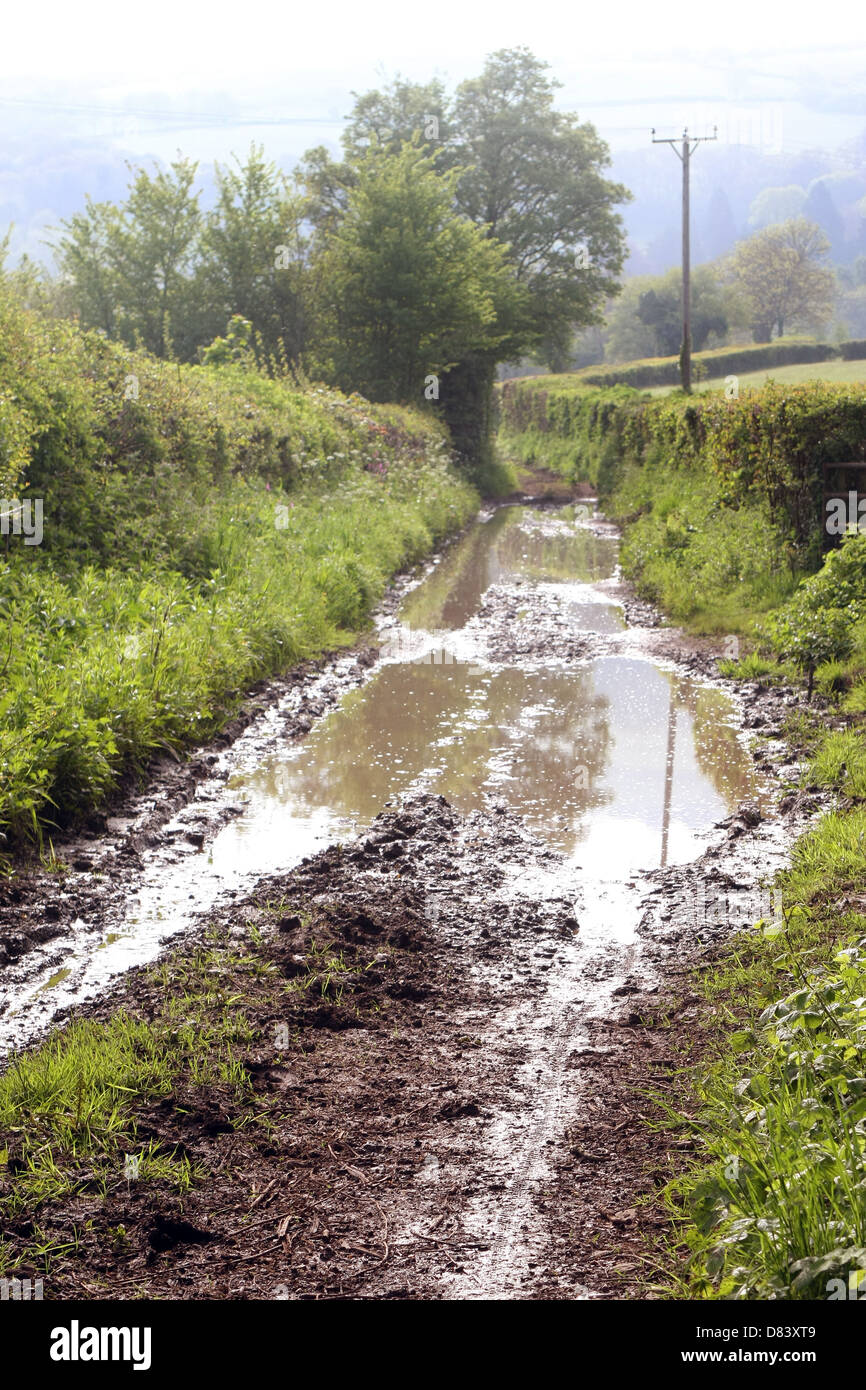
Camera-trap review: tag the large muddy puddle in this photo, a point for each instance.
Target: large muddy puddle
(620, 764)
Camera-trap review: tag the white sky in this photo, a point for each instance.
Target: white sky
(150, 77)
(187, 44)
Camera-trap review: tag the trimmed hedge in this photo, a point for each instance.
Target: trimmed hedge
(770, 444)
(665, 371)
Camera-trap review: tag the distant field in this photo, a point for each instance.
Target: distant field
(794, 374)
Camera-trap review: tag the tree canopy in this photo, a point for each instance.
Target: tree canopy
(781, 270)
(411, 287)
(531, 176)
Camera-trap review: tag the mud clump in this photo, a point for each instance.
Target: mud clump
(344, 997)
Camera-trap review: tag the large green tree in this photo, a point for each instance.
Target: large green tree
(782, 271)
(534, 178)
(529, 176)
(412, 289)
(129, 267)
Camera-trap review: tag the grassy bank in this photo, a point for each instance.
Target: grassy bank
(721, 500)
(721, 509)
(202, 528)
(775, 1205)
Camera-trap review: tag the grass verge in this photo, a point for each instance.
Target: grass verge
(201, 528)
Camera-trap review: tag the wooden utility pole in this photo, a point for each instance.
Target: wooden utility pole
(689, 145)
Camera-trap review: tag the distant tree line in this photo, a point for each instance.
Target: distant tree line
(454, 232)
(774, 282)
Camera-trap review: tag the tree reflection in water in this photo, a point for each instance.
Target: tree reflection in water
(581, 754)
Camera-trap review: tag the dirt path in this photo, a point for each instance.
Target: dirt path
(445, 1064)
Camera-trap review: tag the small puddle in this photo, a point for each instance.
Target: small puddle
(619, 764)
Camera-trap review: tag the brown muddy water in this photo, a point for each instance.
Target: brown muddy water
(508, 676)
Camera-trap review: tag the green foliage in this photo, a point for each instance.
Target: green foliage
(203, 534)
(71, 1105)
(547, 206)
(707, 563)
(721, 498)
(781, 272)
(253, 258)
(130, 264)
(544, 203)
(647, 318)
(429, 252)
(235, 347)
(840, 761)
(412, 289)
(765, 447)
(773, 1206)
(548, 199)
(818, 624)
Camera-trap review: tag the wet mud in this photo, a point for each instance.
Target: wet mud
(462, 966)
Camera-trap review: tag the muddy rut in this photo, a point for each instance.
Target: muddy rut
(459, 879)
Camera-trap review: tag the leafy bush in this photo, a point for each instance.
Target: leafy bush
(818, 625)
(204, 531)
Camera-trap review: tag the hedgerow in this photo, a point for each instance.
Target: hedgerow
(203, 528)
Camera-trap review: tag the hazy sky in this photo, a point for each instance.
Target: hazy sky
(85, 88)
(166, 73)
(193, 45)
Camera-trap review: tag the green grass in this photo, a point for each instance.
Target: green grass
(104, 667)
(67, 1108)
(775, 1205)
(206, 534)
(712, 567)
(841, 762)
(793, 374)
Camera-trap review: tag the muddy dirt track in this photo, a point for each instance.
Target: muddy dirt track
(449, 1050)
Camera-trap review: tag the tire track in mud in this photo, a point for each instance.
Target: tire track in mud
(551, 949)
(599, 1005)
